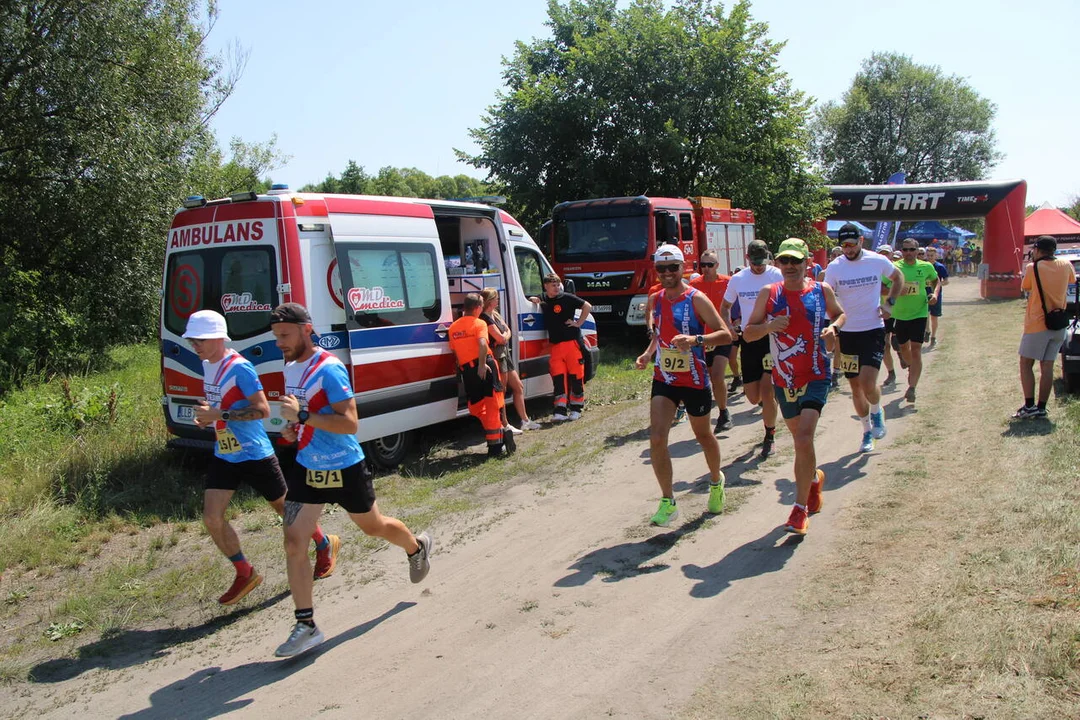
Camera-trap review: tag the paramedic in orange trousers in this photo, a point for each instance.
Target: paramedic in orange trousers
(564, 332)
(483, 386)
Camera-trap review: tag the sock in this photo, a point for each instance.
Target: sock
(865, 423)
(306, 616)
(1029, 402)
(770, 431)
(801, 507)
(875, 409)
(243, 567)
(321, 540)
(1042, 405)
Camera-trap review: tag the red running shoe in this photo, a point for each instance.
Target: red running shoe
(326, 560)
(798, 521)
(242, 585)
(813, 505)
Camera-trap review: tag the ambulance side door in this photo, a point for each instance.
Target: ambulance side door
(533, 351)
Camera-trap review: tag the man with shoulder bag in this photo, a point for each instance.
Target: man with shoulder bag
(1046, 281)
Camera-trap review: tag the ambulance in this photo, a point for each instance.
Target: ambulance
(383, 278)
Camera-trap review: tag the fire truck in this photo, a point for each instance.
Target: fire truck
(605, 245)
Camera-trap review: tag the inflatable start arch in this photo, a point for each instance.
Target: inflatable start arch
(1001, 202)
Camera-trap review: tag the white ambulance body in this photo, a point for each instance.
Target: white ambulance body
(383, 279)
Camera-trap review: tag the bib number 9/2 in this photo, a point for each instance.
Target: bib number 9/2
(324, 479)
(227, 444)
(793, 394)
(849, 363)
(673, 361)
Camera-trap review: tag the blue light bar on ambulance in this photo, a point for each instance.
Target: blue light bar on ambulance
(279, 186)
(244, 196)
(194, 201)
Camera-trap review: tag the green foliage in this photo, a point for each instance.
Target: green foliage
(104, 106)
(399, 182)
(649, 100)
(898, 115)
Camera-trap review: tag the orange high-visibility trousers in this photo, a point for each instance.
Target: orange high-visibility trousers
(568, 367)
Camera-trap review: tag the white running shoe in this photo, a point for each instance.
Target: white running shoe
(530, 425)
(574, 415)
(559, 418)
(513, 429)
(302, 638)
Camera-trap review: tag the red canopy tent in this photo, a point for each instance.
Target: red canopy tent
(1049, 220)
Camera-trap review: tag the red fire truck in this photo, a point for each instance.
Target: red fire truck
(606, 245)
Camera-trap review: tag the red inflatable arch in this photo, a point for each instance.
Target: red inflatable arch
(1001, 202)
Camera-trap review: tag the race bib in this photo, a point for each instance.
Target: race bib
(324, 479)
(849, 363)
(766, 362)
(793, 394)
(710, 348)
(673, 361)
(227, 444)
(910, 288)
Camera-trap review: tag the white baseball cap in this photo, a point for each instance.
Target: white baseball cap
(206, 325)
(669, 252)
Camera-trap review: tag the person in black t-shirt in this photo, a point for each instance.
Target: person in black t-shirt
(567, 366)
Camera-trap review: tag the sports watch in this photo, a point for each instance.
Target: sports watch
(225, 415)
(302, 416)
(890, 301)
(699, 340)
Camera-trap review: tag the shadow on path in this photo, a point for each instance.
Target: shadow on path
(629, 559)
(134, 647)
(756, 557)
(838, 473)
(211, 692)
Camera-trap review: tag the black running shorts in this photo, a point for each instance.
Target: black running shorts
(698, 401)
(723, 351)
(859, 349)
(263, 475)
(350, 487)
(910, 330)
(752, 357)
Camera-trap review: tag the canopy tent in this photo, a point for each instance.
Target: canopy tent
(834, 226)
(1048, 220)
(929, 230)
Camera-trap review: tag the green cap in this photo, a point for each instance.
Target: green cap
(793, 247)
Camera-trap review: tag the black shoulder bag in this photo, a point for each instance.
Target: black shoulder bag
(1055, 319)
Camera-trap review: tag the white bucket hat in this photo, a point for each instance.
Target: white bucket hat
(206, 325)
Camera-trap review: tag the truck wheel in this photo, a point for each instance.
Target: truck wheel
(1072, 382)
(388, 452)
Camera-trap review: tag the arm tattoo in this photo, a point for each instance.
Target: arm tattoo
(248, 413)
(292, 509)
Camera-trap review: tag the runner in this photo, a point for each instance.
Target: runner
(330, 467)
(886, 252)
(681, 318)
(755, 358)
(567, 366)
(499, 335)
(736, 327)
(713, 285)
(911, 310)
(235, 406)
(794, 316)
(468, 336)
(856, 278)
(935, 307)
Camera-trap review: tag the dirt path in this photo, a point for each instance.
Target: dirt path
(551, 602)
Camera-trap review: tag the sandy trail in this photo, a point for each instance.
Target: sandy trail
(553, 602)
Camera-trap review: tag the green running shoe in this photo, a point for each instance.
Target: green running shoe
(665, 513)
(716, 496)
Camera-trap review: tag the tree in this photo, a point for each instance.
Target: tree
(399, 182)
(104, 106)
(648, 100)
(898, 115)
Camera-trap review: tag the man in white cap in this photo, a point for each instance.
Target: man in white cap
(681, 320)
(235, 406)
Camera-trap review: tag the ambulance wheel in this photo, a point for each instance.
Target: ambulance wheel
(388, 452)
(1072, 382)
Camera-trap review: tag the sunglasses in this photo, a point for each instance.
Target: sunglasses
(673, 267)
(788, 260)
(909, 249)
(853, 243)
(705, 264)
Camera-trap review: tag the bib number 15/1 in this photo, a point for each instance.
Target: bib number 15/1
(324, 479)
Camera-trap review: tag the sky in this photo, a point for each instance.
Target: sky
(402, 83)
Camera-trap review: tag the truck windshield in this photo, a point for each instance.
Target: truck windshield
(611, 238)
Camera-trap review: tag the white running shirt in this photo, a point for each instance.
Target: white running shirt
(857, 284)
(745, 286)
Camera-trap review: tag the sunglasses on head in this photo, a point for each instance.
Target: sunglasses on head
(707, 264)
(673, 267)
(788, 260)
